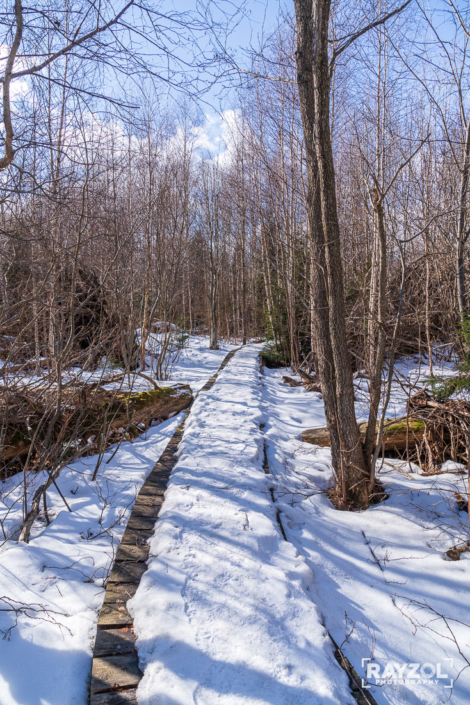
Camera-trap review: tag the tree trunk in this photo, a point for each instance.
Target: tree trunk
(379, 335)
(461, 228)
(214, 337)
(329, 316)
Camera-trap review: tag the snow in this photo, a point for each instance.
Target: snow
(62, 570)
(224, 615)
(409, 375)
(195, 363)
(229, 613)
(191, 364)
(60, 573)
(380, 577)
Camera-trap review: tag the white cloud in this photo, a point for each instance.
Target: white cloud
(19, 87)
(216, 137)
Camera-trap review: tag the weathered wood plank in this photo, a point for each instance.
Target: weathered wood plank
(127, 572)
(146, 523)
(152, 489)
(161, 472)
(114, 671)
(114, 615)
(147, 510)
(149, 500)
(109, 642)
(136, 536)
(123, 697)
(119, 594)
(128, 552)
(155, 487)
(168, 457)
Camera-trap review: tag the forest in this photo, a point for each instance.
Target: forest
(234, 297)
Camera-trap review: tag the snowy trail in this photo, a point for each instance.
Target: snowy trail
(115, 670)
(45, 656)
(224, 614)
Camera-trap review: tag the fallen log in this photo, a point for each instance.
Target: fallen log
(150, 407)
(313, 387)
(307, 379)
(106, 411)
(394, 434)
(291, 382)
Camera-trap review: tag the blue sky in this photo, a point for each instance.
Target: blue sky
(254, 19)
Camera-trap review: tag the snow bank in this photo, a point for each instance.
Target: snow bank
(381, 577)
(224, 614)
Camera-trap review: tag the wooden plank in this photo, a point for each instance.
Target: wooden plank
(127, 572)
(146, 523)
(152, 489)
(122, 697)
(136, 537)
(128, 552)
(168, 454)
(119, 594)
(159, 476)
(145, 510)
(114, 671)
(114, 615)
(162, 470)
(160, 481)
(117, 641)
(147, 502)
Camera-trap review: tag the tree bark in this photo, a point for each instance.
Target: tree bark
(379, 335)
(329, 316)
(9, 155)
(462, 236)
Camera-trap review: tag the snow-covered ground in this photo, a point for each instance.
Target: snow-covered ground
(229, 612)
(46, 658)
(60, 573)
(196, 363)
(381, 577)
(224, 615)
(191, 364)
(410, 374)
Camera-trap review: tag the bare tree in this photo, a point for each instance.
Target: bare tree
(315, 64)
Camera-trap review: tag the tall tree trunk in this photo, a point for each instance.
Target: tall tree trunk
(334, 366)
(380, 337)
(461, 228)
(214, 336)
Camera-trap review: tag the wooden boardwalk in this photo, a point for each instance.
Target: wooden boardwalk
(115, 671)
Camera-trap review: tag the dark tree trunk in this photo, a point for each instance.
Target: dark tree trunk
(329, 315)
(462, 235)
(214, 333)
